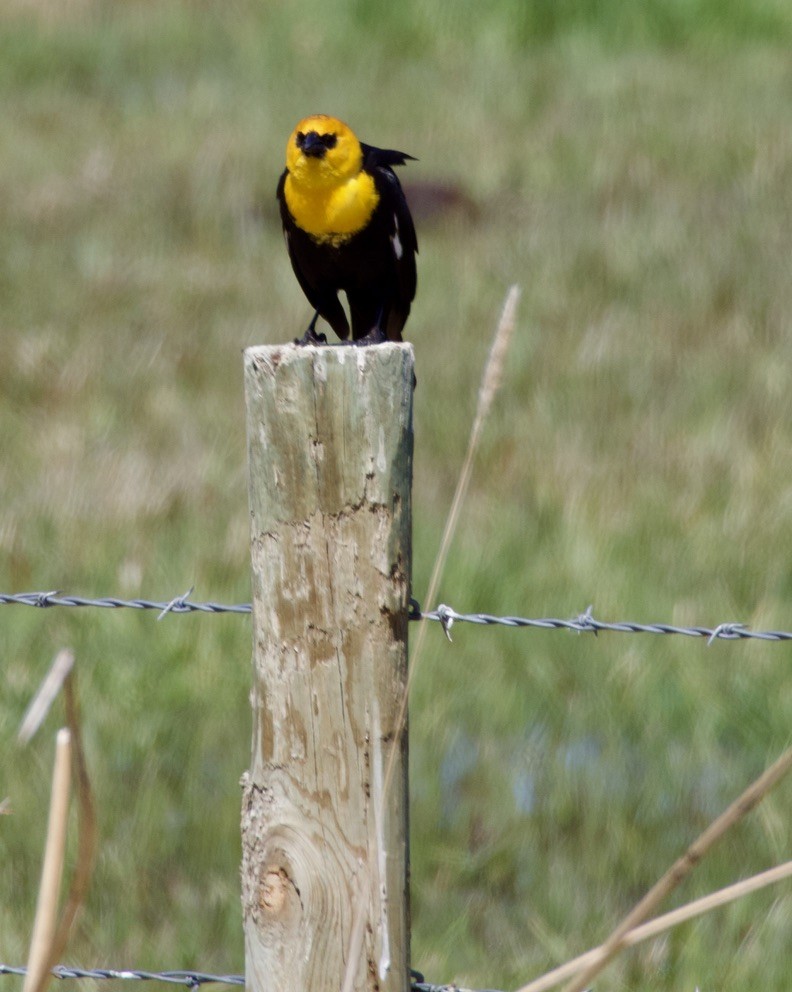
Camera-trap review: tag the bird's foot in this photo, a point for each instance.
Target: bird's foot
(375, 336)
(310, 337)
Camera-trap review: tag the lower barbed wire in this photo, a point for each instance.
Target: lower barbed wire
(193, 979)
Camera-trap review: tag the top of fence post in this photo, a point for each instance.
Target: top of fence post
(324, 824)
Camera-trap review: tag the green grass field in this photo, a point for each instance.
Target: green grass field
(630, 166)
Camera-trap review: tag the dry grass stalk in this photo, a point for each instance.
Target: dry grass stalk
(743, 805)
(63, 676)
(490, 383)
(44, 927)
(662, 923)
(87, 833)
(48, 690)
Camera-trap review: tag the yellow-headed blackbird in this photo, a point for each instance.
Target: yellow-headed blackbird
(348, 227)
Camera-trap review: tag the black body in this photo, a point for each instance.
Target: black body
(379, 284)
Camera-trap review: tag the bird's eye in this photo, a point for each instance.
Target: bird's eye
(330, 140)
(300, 139)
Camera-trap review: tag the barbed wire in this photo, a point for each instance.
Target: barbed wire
(446, 616)
(180, 604)
(193, 979)
(426, 987)
(586, 623)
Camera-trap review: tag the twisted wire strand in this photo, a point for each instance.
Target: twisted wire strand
(445, 615)
(191, 979)
(180, 604)
(586, 623)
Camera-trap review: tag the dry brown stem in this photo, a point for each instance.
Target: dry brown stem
(662, 923)
(679, 871)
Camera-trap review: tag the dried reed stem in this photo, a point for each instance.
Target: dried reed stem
(62, 675)
(662, 923)
(50, 687)
(743, 805)
(52, 870)
(490, 384)
(87, 829)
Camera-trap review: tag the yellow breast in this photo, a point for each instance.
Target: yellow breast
(331, 214)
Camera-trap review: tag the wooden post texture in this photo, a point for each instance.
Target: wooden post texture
(324, 827)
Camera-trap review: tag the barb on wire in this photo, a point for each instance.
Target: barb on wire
(586, 620)
(179, 603)
(727, 630)
(446, 616)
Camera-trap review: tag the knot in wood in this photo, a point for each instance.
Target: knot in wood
(273, 890)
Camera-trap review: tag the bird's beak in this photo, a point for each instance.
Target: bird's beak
(313, 146)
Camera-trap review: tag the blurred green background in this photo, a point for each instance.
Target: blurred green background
(630, 166)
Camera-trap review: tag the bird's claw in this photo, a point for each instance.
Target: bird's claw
(310, 337)
(375, 336)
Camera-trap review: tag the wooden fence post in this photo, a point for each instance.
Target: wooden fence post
(324, 828)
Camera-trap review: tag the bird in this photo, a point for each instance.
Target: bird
(348, 228)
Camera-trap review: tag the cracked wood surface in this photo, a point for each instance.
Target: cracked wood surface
(330, 464)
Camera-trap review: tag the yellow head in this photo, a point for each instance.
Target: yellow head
(323, 152)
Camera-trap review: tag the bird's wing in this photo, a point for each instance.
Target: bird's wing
(379, 162)
(409, 240)
(395, 215)
(390, 188)
(373, 157)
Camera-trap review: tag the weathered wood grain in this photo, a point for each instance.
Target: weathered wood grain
(330, 456)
